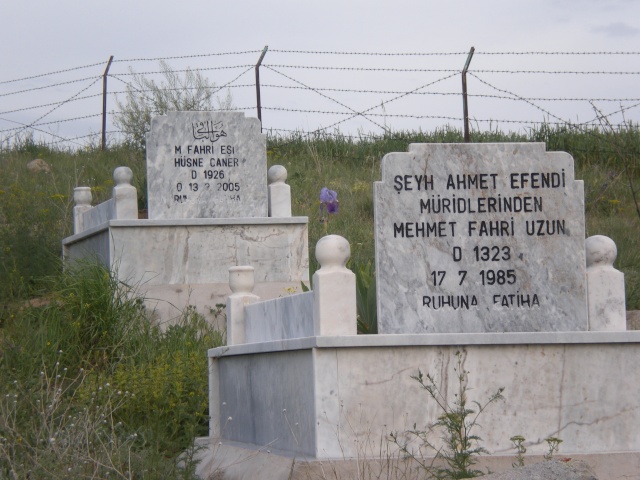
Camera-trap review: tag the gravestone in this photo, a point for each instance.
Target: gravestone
(480, 238)
(206, 165)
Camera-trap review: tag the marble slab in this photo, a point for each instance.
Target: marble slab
(206, 165)
(281, 415)
(282, 318)
(175, 263)
(99, 214)
(586, 394)
(480, 238)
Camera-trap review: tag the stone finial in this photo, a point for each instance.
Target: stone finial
(124, 194)
(605, 286)
(82, 196)
(334, 288)
(241, 282)
(122, 175)
(82, 199)
(601, 251)
(333, 252)
(277, 174)
(279, 192)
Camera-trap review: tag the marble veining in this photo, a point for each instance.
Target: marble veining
(480, 238)
(206, 165)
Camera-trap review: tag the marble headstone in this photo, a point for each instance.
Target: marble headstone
(480, 238)
(206, 165)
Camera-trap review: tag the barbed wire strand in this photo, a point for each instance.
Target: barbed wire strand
(155, 59)
(508, 95)
(385, 54)
(50, 73)
(579, 126)
(390, 115)
(147, 98)
(378, 54)
(363, 69)
(340, 90)
(37, 130)
(328, 97)
(517, 96)
(382, 104)
(35, 122)
(556, 53)
(395, 92)
(49, 86)
(52, 122)
(620, 110)
(143, 92)
(24, 109)
(448, 70)
(184, 70)
(132, 87)
(324, 129)
(244, 85)
(88, 135)
(557, 72)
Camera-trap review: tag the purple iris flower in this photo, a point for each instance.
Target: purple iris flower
(328, 199)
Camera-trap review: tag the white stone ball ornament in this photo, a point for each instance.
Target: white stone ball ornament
(600, 250)
(605, 286)
(122, 175)
(333, 251)
(277, 174)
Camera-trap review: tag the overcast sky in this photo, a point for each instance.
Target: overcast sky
(40, 36)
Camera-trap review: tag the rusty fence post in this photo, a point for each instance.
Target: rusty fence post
(465, 108)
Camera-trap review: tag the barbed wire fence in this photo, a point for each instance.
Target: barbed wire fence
(357, 94)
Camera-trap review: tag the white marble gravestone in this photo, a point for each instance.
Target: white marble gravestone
(206, 165)
(480, 238)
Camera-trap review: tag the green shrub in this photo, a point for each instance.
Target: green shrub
(169, 382)
(145, 98)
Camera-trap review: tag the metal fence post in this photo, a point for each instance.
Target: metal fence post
(465, 108)
(264, 52)
(104, 103)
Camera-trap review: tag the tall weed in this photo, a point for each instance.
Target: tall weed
(456, 423)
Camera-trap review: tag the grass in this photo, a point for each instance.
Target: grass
(89, 386)
(138, 393)
(35, 209)
(608, 162)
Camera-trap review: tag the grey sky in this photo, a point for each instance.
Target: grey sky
(42, 36)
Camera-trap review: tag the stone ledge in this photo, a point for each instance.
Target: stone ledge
(431, 339)
(191, 222)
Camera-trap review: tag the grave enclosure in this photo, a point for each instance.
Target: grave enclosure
(480, 249)
(208, 197)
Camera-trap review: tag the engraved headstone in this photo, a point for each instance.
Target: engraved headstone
(206, 165)
(480, 238)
